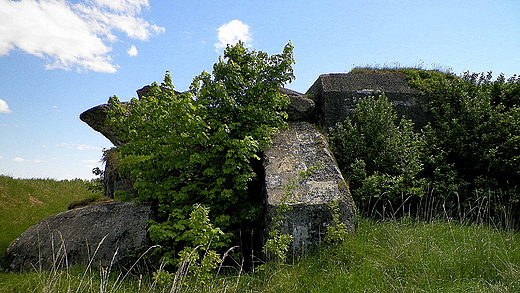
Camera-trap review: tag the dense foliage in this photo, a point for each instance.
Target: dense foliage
(466, 160)
(201, 146)
(473, 152)
(380, 155)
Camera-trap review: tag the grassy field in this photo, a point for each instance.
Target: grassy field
(24, 202)
(396, 256)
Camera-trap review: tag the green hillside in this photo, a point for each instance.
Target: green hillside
(24, 202)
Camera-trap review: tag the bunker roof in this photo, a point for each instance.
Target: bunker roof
(359, 82)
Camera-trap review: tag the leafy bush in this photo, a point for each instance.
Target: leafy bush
(201, 146)
(473, 151)
(379, 155)
(466, 160)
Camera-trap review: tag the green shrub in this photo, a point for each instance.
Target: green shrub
(379, 155)
(201, 146)
(473, 144)
(466, 160)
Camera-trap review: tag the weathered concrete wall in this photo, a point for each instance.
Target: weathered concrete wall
(336, 96)
(301, 108)
(114, 181)
(96, 118)
(301, 171)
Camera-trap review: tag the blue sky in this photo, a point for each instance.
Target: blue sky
(59, 58)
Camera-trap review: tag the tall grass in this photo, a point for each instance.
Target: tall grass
(399, 254)
(410, 257)
(491, 208)
(395, 256)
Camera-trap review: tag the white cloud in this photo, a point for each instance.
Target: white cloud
(21, 160)
(67, 145)
(86, 147)
(71, 35)
(132, 51)
(4, 108)
(77, 146)
(123, 5)
(232, 32)
(104, 20)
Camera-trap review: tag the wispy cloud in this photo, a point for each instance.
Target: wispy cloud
(232, 32)
(77, 146)
(4, 108)
(22, 160)
(91, 163)
(73, 36)
(123, 5)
